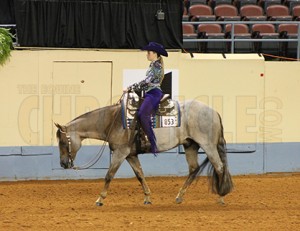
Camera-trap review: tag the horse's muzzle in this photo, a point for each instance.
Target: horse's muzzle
(66, 165)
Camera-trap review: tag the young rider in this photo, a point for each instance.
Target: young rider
(151, 85)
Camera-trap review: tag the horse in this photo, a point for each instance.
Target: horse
(201, 126)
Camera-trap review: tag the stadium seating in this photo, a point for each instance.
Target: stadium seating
(226, 12)
(214, 3)
(278, 13)
(241, 31)
(211, 31)
(244, 10)
(201, 13)
(296, 13)
(189, 33)
(252, 13)
(265, 31)
(185, 16)
(196, 2)
(288, 31)
(291, 3)
(240, 3)
(266, 3)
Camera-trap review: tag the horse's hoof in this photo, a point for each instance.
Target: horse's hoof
(99, 204)
(147, 203)
(179, 200)
(221, 201)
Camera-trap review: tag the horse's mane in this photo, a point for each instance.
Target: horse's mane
(93, 111)
(58, 136)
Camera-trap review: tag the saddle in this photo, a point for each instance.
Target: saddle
(167, 114)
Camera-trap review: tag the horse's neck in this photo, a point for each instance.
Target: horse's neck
(93, 124)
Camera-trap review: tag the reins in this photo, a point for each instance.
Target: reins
(93, 161)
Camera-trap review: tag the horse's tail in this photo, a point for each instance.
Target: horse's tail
(221, 185)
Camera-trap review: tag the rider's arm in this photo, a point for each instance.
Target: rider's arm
(153, 78)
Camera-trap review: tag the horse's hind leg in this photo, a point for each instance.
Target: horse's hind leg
(191, 153)
(136, 166)
(213, 156)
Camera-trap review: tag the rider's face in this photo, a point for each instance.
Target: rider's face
(151, 56)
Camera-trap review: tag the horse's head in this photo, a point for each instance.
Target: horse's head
(69, 143)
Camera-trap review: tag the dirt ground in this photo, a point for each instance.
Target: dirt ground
(264, 202)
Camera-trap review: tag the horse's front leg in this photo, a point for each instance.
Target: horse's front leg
(137, 168)
(118, 157)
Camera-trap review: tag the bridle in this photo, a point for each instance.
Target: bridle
(71, 160)
(101, 151)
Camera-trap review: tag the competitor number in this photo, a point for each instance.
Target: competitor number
(168, 121)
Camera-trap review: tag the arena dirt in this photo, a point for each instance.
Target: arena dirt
(260, 202)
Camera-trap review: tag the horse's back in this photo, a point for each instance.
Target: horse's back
(198, 108)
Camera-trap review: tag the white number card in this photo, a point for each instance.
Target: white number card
(168, 121)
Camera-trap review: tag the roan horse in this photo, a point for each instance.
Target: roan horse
(201, 126)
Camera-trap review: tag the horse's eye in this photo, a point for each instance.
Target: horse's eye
(63, 144)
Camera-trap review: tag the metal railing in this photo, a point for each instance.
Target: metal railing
(232, 39)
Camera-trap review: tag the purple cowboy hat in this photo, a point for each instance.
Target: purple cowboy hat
(156, 47)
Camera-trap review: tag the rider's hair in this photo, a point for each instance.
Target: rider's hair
(160, 59)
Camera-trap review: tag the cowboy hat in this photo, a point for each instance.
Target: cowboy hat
(156, 47)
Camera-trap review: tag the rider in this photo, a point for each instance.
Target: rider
(151, 86)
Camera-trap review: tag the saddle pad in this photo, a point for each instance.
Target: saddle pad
(167, 115)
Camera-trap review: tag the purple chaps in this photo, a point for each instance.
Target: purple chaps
(148, 108)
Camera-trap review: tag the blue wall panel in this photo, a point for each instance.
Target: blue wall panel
(282, 157)
(30, 163)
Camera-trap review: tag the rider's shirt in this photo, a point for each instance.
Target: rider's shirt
(154, 77)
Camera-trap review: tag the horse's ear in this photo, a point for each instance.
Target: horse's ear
(60, 127)
(57, 125)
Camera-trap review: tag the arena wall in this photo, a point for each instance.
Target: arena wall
(256, 99)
